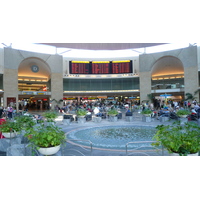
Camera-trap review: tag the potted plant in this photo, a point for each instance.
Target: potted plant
(112, 112)
(180, 139)
(46, 139)
(147, 112)
(9, 129)
(50, 117)
(25, 121)
(81, 112)
(183, 113)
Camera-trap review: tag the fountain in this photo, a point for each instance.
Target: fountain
(112, 137)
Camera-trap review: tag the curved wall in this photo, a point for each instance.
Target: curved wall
(12, 60)
(187, 56)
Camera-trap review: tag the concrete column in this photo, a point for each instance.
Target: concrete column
(191, 80)
(10, 85)
(56, 88)
(145, 85)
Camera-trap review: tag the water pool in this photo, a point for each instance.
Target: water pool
(112, 137)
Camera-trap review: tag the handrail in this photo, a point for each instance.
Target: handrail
(140, 147)
(91, 145)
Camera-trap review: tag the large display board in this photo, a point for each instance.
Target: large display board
(119, 67)
(100, 67)
(79, 67)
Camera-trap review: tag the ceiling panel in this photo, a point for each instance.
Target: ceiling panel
(102, 46)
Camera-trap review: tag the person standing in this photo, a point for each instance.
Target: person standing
(10, 112)
(1, 112)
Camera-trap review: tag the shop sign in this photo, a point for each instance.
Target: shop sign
(91, 98)
(41, 93)
(165, 95)
(71, 98)
(27, 93)
(102, 97)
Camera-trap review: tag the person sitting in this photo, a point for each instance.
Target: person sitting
(97, 112)
(129, 113)
(164, 113)
(88, 116)
(38, 118)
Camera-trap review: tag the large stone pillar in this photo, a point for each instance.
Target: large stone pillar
(191, 80)
(56, 88)
(10, 85)
(145, 85)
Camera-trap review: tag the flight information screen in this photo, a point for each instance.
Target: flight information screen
(100, 67)
(80, 67)
(120, 67)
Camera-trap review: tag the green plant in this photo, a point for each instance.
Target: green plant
(48, 136)
(16, 126)
(183, 112)
(146, 111)
(25, 120)
(112, 112)
(9, 126)
(81, 112)
(177, 138)
(6, 127)
(50, 116)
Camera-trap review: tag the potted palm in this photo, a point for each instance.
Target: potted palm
(179, 139)
(46, 139)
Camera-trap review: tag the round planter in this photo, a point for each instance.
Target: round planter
(113, 115)
(9, 135)
(49, 150)
(147, 115)
(176, 154)
(81, 116)
(183, 116)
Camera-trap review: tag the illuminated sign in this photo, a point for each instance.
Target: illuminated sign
(41, 93)
(92, 98)
(100, 67)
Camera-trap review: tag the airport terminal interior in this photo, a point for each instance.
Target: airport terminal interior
(36, 74)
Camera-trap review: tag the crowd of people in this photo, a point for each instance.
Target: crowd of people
(160, 107)
(8, 112)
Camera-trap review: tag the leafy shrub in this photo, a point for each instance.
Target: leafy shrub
(177, 138)
(183, 112)
(50, 116)
(81, 112)
(48, 136)
(112, 112)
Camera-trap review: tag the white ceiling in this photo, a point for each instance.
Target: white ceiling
(102, 46)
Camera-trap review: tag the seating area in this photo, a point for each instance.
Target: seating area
(18, 146)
